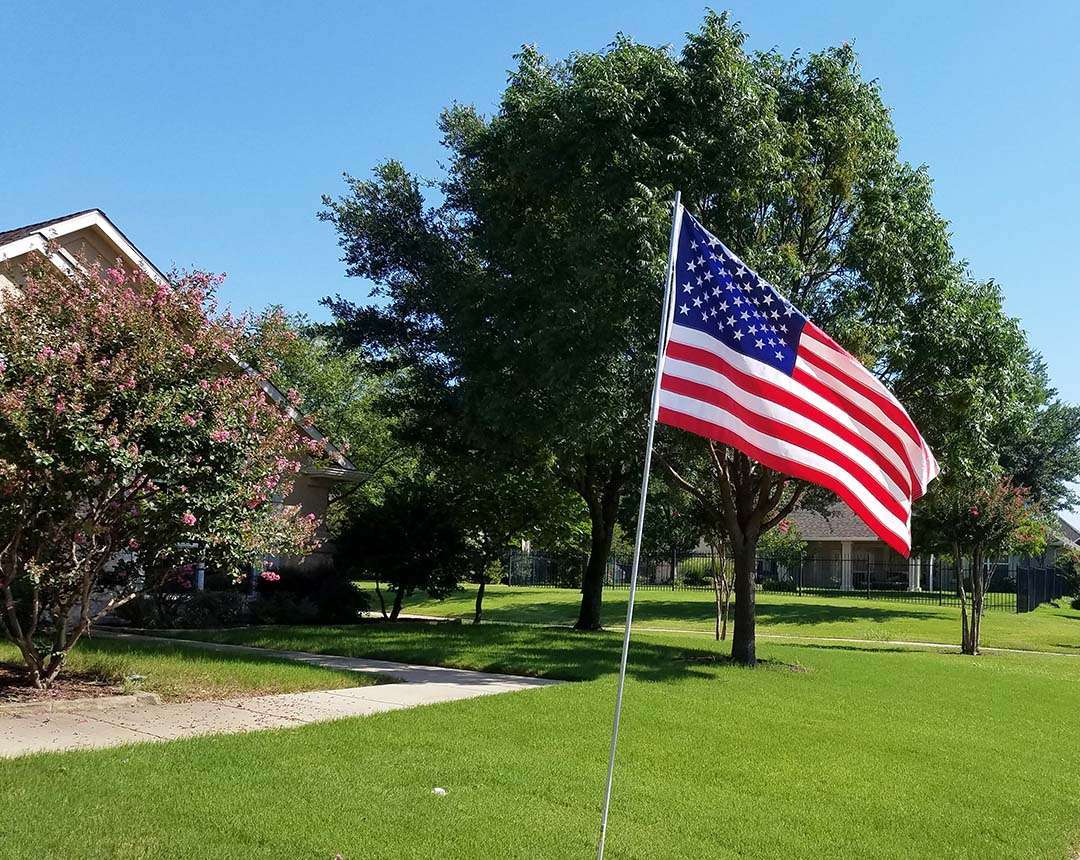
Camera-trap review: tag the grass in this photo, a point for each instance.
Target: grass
(826, 751)
(1048, 628)
(177, 672)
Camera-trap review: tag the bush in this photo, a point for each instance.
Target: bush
(210, 609)
(1075, 603)
(696, 571)
(141, 611)
(282, 608)
(335, 598)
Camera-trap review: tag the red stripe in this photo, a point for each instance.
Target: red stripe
(787, 467)
(866, 419)
(787, 433)
(784, 397)
(885, 402)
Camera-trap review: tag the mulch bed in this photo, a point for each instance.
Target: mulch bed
(15, 686)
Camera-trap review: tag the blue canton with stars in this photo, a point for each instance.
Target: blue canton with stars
(716, 294)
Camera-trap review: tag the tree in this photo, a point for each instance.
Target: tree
(671, 526)
(411, 537)
(533, 285)
(981, 519)
(339, 390)
(128, 438)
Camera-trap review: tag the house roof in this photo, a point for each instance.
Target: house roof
(7, 236)
(1069, 532)
(15, 241)
(838, 523)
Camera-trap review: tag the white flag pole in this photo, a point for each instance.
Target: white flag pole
(654, 409)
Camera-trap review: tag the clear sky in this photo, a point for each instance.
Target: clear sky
(208, 130)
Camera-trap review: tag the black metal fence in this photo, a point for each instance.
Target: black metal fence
(1019, 585)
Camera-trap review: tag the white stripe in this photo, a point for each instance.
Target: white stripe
(788, 416)
(925, 464)
(768, 373)
(781, 448)
(849, 364)
(913, 449)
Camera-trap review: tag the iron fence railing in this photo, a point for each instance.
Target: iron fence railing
(1017, 585)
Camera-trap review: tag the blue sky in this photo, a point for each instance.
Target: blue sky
(208, 131)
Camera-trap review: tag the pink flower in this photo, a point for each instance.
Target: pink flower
(46, 352)
(188, 518)
(59, 407)
(974, 511)
(133, 544)
(114, 442)
(188, 350)
(270, 576)
(220, 436)
(294, 396)
(189, 420)
(117, 276)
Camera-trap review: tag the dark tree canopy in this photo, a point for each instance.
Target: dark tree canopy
(530, 295)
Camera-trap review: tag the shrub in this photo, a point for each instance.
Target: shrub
(1075, 603)
(142, 611)
(282, 608)
(696, 571)
(335, 597)
(210, 609)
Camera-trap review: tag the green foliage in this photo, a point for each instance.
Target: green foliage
(332, 593)
(1068, 565)
(783, 544)
(410, 538)
(698, 570)
(283, 608)
(202, 609)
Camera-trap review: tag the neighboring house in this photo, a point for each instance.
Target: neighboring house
(839, 540)
(89, 238)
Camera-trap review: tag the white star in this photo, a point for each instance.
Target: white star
(697, 301)
(789, 310)
(774, 314)
(684, 309)
(753, 329)
(699, 282)
(738, 335)
(760, 344)
(712, 312)
(723, 305)
(738, 302)
(687, 287)
(708, 276)
(731, 321)
(693, 245)
(779, 356)
(744, 316)
(691, 265)
(713, 241)
(768, 298)
(704, 317)
(716, 292)
(701, 261)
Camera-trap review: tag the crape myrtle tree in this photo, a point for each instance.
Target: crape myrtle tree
(533, 285)
(129, 439)
(1009, 448)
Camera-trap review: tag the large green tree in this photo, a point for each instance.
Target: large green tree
(532, 285)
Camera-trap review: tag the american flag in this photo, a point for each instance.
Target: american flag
(743, 366)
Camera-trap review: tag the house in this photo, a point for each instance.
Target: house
(841, 547)
(89, 238)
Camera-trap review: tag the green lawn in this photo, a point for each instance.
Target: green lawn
(825, 751)
(176, 672)
(1048, 628)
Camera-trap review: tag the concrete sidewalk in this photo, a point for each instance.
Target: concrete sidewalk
(103, 723)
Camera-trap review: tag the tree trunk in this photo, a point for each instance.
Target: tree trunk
(382, 601)
(479, 608)
(602, 511)
(399, 596)
(726, 610)
(743, 640)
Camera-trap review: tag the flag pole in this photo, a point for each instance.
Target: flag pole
(654, 409)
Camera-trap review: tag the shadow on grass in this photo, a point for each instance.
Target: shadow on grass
(799, 612)
(536, 651)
